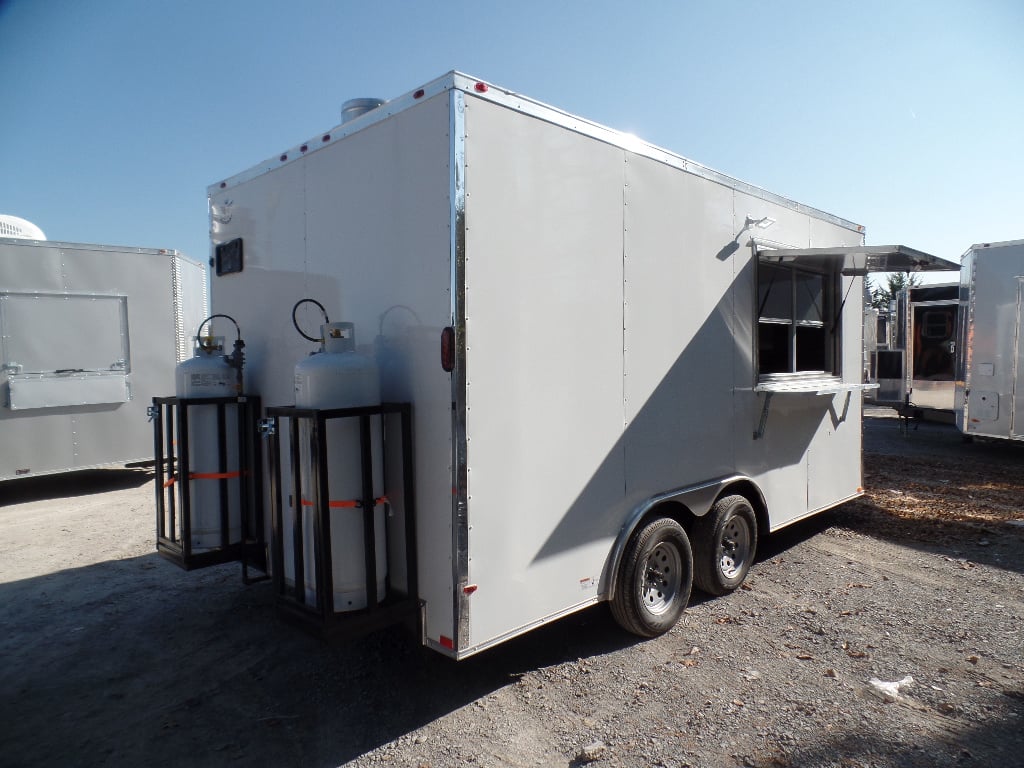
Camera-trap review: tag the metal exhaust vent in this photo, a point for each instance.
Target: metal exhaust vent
(353, 108)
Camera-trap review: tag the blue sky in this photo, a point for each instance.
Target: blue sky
(906, 117)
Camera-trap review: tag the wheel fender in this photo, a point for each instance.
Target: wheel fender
(698, 499)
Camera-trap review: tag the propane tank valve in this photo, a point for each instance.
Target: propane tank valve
(237, 360)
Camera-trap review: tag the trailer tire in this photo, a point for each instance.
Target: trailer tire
(726, 539)
(654, 579)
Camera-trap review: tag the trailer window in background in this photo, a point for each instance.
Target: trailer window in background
(795, 319)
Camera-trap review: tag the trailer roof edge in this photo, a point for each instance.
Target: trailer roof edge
(634, 144)
(482, 89)
(96, 247)
(994, 244)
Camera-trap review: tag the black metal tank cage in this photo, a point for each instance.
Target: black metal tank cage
(401, 603)
(171, 418)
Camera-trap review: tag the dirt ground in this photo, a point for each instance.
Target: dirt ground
(110, 655)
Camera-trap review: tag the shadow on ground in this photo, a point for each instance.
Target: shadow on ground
(84, 482)
(133, 662)
(995, 740)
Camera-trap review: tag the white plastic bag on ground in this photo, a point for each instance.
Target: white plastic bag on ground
(888, 691)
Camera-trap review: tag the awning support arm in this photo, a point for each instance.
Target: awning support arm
(839, 312)
(764, 416)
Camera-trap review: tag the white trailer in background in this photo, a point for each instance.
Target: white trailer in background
(88, 335)
(916, 367)
(614, 356)
(989, 388)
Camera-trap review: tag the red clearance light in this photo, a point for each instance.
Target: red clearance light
(480, 87)
(326, 138)
(469, 589)
(448, 349)
(418, 94)
(303, 148)
(446, 642)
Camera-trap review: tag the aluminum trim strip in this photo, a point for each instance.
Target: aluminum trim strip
(61, 245)
(1016, 419)
(180, 340)
(63, 294)
(460, 480)
(985, 246)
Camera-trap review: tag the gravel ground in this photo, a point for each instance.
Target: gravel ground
(110, 655)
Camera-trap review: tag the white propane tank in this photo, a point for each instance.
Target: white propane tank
(209, 374)
(339, 377)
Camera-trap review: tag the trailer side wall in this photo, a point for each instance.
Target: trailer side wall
(105, 318)
(610, 305)
(989, 398)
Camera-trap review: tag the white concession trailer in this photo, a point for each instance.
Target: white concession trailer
(620, 366)
(916, 369)
(88, 335)
(989, 389)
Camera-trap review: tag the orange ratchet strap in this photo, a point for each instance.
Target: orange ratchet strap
(347, 504)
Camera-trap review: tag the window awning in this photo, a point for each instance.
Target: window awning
(860, 259)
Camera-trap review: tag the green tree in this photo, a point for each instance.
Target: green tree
(894, 283)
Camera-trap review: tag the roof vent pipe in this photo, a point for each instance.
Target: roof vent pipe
(353, 108)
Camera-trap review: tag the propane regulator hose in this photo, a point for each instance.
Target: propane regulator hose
(237, 357)
(295, 319)
(199, 331)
